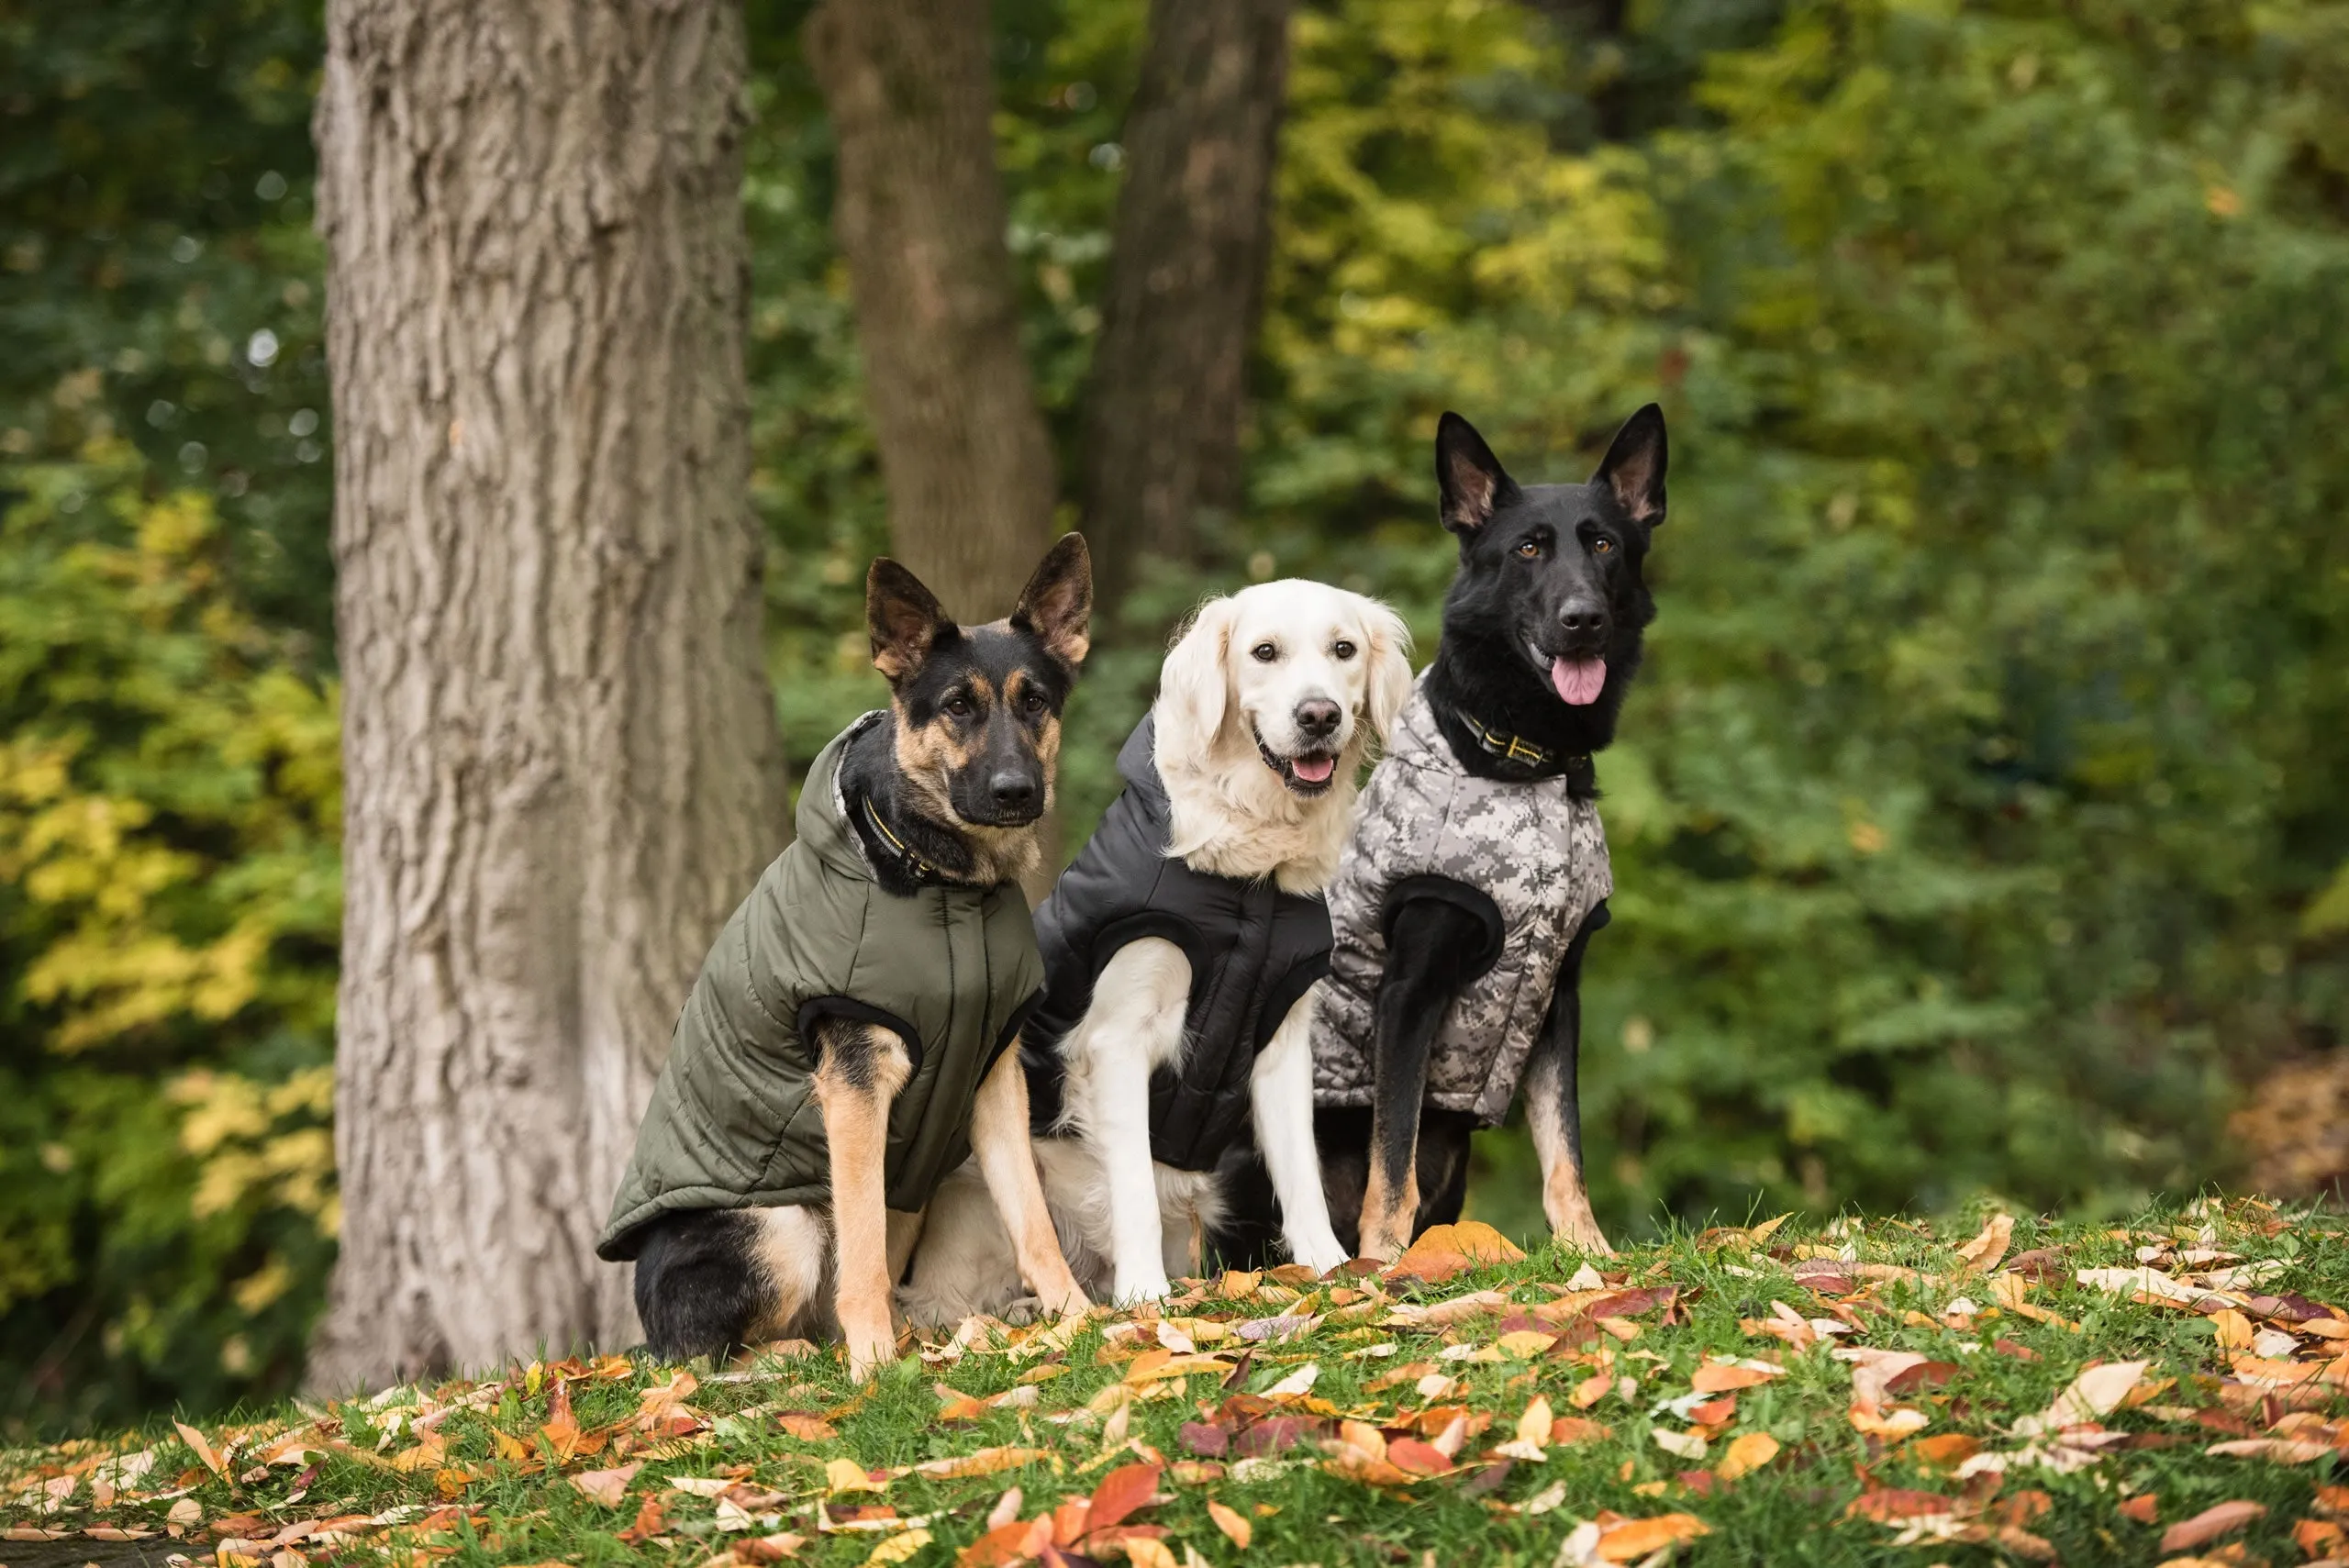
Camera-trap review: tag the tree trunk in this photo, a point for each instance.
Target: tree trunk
(560, 762)
(1187, 282)
(919, 215)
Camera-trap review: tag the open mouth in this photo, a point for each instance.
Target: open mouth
(1307, 773)
(1577, 678)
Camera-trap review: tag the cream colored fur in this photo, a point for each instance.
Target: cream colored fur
(1126, 1223)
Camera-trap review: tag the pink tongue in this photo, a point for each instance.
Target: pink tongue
(1578, 680)
(1313, 770)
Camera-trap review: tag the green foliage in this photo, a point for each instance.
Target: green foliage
(169, 897)
(1976, 817)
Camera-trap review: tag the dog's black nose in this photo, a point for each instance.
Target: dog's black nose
(1583, 618)
(1318, 717)
(1013, 789)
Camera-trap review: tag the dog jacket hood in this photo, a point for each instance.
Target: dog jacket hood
(1428, 826)
(1253, 951)
(734, 1122)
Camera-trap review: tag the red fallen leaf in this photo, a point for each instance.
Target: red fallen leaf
(652, 1519)
(2010, 1348)
(1207, 1440)
(1418, 1457)
(1124, 1489)
(1279, 1432)
(2210, 1524)
(1700, 1482)
(1714, 1412)
(1487, 1479)
(1002, 1545)
(1894, 1502)
(2225, 1421)
(2146, 1508)
(1924, 1375)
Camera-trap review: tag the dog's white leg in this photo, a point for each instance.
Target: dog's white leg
(1134, 1025)
(1008, 1164)
(1280, 1089)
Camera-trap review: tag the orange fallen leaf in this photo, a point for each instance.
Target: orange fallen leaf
(808, 1429)
(2210, 1524)
(1715, 1377)
(607, 1486)
(1123, 1490)
(1891, 1504)
(1228, 1520)
(2146, 1508)
(1636, 1538)
(1982, 1253)
(1945, 1452)
(203, 1450)
(1747, 1454)
(1443, 1251)
(1567, 1429)
(2318, 1537)
(985, 1461)
(652, 1519)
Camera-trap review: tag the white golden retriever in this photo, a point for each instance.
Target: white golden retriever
(1269, 704)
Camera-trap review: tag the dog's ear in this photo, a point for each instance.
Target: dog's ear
(905, 619)
(1389, 669)
(1056, 606)
(1194, 683)
(1633, 467)
(1469, 478)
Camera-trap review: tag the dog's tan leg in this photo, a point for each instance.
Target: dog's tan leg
(1008, 1164)
(1554, 1115)
(1388, 1211)
(863, 1068)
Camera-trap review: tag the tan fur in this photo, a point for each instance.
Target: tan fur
(1387, 1217)
(1000, 1146)
(1564, 1198)
(925, 754)
(856, 1132)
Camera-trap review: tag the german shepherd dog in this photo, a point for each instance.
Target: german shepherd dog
(1543, 632)
(957, 777)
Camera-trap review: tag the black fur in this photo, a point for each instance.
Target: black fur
(699, 1284)
(1546, 571)
(995, 692)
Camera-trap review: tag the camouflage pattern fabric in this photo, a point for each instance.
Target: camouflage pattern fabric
(1538, 855)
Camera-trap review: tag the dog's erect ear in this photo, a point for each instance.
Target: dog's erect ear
(1634, 466)
(1468, 477)
(1389, 669)
(1194, 683)
(905, 619)
(1057, 604)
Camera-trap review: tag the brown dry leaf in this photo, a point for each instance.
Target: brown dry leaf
(652, 1519)
(2146, 1508)
(2283, 1450)
(808, 1429)
(202, 1448)
(985, 1461)
(1892, 1505)
(1982, 1253)
(2210, 1524)
(1590, 1391)
(1568, 1430)
(1444, 1250)
(1148, 1552)
(1635, 1540)
(1747, 1454)
(2234, 1330)
(560, 1432)
(1228, 1520)
(606, 1487)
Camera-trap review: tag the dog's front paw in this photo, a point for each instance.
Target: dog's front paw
(1068, 1303)
(1582, 1231)
(867, 1356)
(1320, 1254)
(1138, 1286)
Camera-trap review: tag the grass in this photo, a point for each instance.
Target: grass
(789, 1461)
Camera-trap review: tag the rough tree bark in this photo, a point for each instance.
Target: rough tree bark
(1186, 280)
(919, 215)
(560, 762)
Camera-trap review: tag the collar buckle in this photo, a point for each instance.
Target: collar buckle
(921, 869)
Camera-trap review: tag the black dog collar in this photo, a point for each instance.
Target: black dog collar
(917, 868)
(1515, 752)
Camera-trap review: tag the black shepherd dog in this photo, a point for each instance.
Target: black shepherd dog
(1549, 586)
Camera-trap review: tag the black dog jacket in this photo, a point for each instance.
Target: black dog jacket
(1253, 948)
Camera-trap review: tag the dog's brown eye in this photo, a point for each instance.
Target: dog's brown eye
(1344, 649)
(1602, 545)
(959, 706)
(1264, 653)
(1529, 548)
(1034, 702)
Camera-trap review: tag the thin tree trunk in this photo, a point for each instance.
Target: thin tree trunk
(1187, 282)
(560, 762)
(920, 215)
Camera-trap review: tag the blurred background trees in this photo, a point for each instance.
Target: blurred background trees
(1979, 815)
